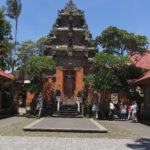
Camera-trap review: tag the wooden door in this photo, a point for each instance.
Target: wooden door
(69, 85)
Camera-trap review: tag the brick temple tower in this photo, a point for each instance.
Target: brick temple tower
(71, 47)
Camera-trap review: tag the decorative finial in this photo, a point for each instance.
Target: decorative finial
(71, 6)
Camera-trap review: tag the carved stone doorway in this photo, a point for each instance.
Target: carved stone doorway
(69, 86)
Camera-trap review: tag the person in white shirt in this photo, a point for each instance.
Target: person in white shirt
(111, 109)
(95, 106)
(134, 108)
(79, 100)
(58, 99)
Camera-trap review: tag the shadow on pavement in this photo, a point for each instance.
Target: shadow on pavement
(140, 144)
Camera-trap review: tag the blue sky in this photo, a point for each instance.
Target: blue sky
(38, 16)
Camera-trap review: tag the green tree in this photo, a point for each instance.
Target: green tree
(120, 42)
(14, 8)
(37, 67)
(41, 44)
(5, 36)
(106, 69)
(9, 58)
(25, 51)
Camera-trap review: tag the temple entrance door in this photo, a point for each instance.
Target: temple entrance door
(69, 86)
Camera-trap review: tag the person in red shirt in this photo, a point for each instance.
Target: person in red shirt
(129, 112)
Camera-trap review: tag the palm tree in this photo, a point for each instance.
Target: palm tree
(14, 8)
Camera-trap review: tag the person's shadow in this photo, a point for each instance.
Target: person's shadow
(140, 144)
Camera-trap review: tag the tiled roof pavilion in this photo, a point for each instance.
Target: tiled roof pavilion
(142, 62)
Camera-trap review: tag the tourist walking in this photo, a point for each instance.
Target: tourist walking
(123, 112)
(111, 110)
(95, 106)
(134, 108)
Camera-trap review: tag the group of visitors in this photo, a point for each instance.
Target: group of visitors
(95, 103)
(126, 112)
(129, 112)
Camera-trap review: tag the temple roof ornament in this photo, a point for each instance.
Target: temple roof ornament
(70, 7)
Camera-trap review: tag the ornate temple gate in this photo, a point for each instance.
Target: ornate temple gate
(71, 46)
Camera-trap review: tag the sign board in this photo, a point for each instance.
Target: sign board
(114, 98)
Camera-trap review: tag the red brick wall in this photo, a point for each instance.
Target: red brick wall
(59, 80)
(47, 88)
(29, 98)
(79, 80)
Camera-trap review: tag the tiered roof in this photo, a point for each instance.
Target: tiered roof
(69, 31)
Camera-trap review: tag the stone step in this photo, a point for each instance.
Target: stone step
(67, 116)
(68, 110)
(65, 111)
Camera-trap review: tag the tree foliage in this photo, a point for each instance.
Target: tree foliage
(120, 42)
(112, 67)
(41, 43)
(5, 36)
(37, 65)
(14, 8)
(25, 51)
(106, 69)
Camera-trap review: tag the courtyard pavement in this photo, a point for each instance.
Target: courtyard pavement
(44, 143)
(66, 125)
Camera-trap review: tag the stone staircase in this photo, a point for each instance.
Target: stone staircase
(68, 111)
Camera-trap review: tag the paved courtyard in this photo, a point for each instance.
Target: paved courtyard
(122, 135)
(44, 143)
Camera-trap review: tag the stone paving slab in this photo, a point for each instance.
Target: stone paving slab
(66, 125)
(45, 143)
